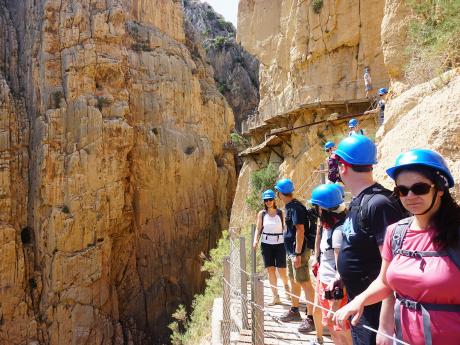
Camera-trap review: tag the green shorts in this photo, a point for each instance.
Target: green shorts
(301, 274)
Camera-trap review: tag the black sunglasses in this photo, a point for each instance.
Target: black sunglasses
(271, 199)
(419, 188)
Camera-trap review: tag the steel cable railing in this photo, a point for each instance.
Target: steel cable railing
(244, 310)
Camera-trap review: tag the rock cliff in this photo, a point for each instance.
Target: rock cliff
(312, 55)
(114, 175)
(312, 50)
(235, 70)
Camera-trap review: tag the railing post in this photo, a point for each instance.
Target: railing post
(323, 174)
(253, 274)
(258, 315)
(253, 252)
(226, 303)
(244, 284)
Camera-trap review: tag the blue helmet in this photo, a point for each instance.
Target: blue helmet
(423, 157)
(383, 91)
(326, 196)
(284, 186)
(268, 194)
(357, 150)
(352, 123)
(340, 188)
(328, 145)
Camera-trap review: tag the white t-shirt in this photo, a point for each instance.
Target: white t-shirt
(272, 225)
(327, 269)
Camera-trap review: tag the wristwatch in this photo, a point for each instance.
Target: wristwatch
(298, 254)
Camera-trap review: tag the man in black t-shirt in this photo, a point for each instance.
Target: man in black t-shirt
(295, 241)
(370, 212)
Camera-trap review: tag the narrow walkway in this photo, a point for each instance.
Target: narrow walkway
(277, 332)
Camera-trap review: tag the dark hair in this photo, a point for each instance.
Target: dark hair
(331, 218)
(361, 168)
(274, 205)
(447, 219)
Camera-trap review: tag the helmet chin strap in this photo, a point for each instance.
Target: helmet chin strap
(432, 203)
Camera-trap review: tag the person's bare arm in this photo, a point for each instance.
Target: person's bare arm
(376, 292)
(299, 238)
(258, 230)
(387, 318)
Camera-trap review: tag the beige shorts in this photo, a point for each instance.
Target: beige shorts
(301, 274)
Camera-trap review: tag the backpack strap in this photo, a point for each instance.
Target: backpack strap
(402, 302)
(331, 234)
(280, 214)
(454, 252)
(264, 212)
(399, 233)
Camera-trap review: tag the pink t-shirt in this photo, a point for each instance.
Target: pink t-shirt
(439, 283)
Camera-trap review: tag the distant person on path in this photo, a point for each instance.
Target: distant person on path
(295, 241)
(330, 206)
(383, 95)
(421, 255)
(331, 163)
(353, 124)
(371, 210)
(269, 230)
(367, 80)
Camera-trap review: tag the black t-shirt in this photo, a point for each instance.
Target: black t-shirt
(296, 213)
(359, 259)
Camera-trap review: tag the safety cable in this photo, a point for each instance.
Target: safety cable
(266, 284)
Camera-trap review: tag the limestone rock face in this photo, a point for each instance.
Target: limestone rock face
(123, 181)
(425, 116)
(235, 70)
(394, 34)
(310, 54)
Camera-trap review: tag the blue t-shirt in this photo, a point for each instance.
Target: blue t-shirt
(296, 213)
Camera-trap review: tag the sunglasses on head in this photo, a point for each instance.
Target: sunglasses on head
(419, 188)
(271, 199)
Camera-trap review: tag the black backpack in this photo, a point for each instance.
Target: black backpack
(310, 228)
(363, 217)
(331, 233)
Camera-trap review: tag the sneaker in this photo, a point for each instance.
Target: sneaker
(291, 316)
(276, 300)
(307, 326)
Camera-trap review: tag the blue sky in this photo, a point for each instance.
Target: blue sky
(227, 8)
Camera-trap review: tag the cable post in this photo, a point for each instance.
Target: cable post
(226, 319)
(258, 315)
(244, 284)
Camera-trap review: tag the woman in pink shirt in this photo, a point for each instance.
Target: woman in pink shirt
(421, 255)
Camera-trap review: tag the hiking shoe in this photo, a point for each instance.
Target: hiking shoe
(307, 326)
(287, 290)
(291, 316)
(276, 300)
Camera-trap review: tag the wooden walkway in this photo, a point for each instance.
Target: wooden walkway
(279, 333)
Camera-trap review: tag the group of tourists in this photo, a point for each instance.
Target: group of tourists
(390, 260)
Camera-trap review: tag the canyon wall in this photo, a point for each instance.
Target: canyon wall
(312, 59)
(114, 175)
(235, 70)
(311, 53)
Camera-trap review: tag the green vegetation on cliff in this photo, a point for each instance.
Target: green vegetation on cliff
(190, 329)
(434, 46)
(261, 180)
